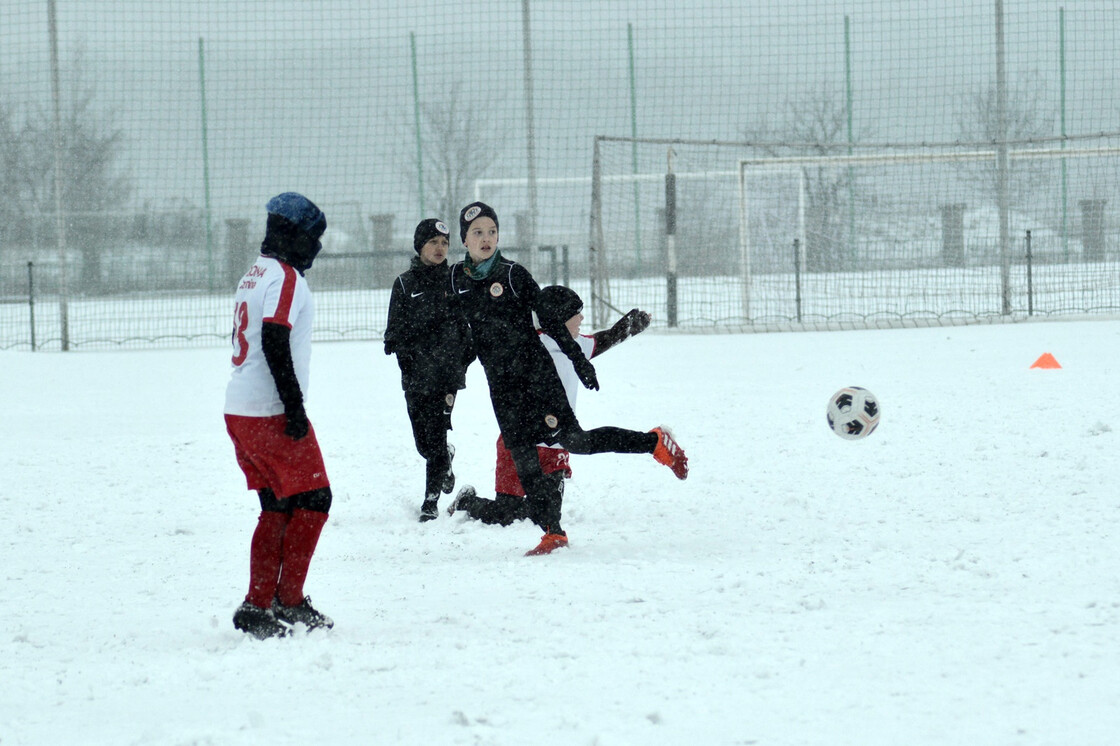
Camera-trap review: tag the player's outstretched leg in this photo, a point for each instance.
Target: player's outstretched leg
(669, 453)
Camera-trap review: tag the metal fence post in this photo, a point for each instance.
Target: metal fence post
(1030, 278)
(31, 300)
(797, 277)
(671, 242)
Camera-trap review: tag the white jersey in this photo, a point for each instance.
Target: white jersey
(565, 369)
(272, 292)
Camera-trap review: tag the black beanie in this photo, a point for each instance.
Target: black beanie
(428, 229)
(473, 212)
(556, 304)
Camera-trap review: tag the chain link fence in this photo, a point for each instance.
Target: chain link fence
(140, 140)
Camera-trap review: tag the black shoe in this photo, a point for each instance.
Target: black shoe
(429, 511)
(466, 493)
(449, 478)
(304, 613)
(258, 622)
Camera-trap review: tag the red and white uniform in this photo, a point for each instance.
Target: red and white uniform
(272, 292)
(552, 457)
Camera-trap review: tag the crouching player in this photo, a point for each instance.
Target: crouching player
(273, 440)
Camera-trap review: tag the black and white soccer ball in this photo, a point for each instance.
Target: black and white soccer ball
(853, 413)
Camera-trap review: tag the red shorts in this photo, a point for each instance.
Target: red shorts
(505, 473)
(271, 459)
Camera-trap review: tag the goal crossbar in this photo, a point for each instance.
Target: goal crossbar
(887, 158)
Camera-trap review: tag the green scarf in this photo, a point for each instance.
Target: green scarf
(483, 270)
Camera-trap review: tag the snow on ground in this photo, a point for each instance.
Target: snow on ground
(950, 580)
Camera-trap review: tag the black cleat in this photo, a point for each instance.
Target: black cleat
(259, 622)
(429, 511)
(304, 613)
(466, 493)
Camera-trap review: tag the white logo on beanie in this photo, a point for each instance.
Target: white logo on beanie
(442, 228)
(471, 214)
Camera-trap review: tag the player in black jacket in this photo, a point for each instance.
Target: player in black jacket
(498, 297)
(433, 346)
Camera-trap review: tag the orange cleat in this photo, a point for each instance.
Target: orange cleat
(549, 543)
(670, 454)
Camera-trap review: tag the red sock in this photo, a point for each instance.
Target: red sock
(299, 544)
(264, 557)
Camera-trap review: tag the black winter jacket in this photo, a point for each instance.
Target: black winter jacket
(529, 400)
(427, 331)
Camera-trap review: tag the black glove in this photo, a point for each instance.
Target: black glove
(638, 321)
(586, 372)
(633, 322)
(297, 422)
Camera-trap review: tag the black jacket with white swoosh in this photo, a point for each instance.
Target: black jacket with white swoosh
(427, 331)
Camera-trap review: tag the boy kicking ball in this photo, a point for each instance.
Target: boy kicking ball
(560, 305)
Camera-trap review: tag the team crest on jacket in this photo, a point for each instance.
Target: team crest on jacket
(551, 421)
(450, 399)
(496, 289)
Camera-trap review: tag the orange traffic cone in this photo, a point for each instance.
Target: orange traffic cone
(1046, 360)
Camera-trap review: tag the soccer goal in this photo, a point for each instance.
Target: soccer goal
(926, 232)
(728, 235)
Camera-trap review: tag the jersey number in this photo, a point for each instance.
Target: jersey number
(240, 324)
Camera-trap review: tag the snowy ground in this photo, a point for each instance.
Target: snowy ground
(950, 580)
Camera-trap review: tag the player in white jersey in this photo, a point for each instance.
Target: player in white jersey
(274, 442)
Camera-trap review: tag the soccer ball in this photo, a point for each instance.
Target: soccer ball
(853, 413)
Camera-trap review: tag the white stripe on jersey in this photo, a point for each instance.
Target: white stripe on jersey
(272, 291)
(565, 368)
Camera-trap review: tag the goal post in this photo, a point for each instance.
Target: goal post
(787, 179)
(886, 233)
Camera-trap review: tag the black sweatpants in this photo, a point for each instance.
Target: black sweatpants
(430, 415)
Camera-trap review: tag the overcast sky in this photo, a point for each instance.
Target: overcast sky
(320, 96)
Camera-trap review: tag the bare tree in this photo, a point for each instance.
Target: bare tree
(11, 168)
(459, 144)
(815, 123)
(1026, 119)
(93, 184)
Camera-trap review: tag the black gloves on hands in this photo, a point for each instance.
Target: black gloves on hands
(634, 322)
(297, 422)
(586, 372)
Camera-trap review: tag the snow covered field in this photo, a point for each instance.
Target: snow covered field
(950, 580)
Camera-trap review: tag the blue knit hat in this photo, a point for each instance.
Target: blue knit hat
(300, 212)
